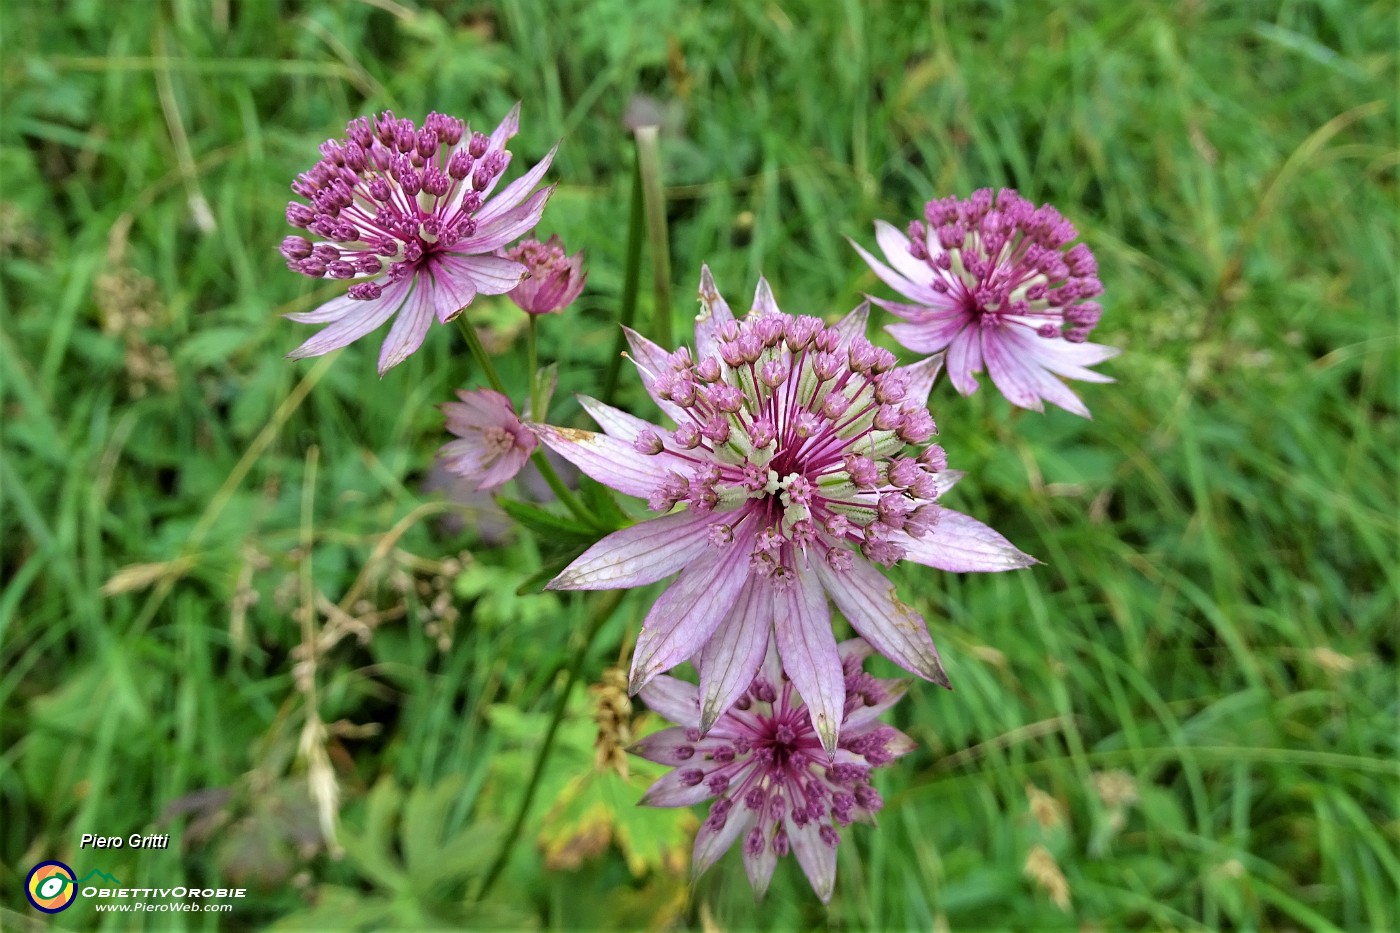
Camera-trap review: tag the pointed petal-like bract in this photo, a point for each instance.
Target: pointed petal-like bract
(507, 227)
(868, 602)
(456, 287)
(853, 324)
(355, 323)
(763, 301)
(651, 362)
(672, 791)
(685, 616)
(895, 246)
(410, 325)
(714, 315)
(817, 858)
(960, 544)
(894, 691)
(732, 656)
(635, 556)
(759, 867)
(611, 462)
(711, 842)
(340, 306)
(808, 651)
(617, 423)
(515, 192)
(507, 128)
(492, 275)
(1025, 384)
(675, 699)
(964, 359)
(660, 747)
(923, 338)
(921, 378)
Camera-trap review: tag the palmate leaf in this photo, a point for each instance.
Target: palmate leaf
(594, 806)
(600, 806)
(433, 852)
(416, 863)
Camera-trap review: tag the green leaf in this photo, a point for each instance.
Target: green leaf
(601, 503)
(550, 569)
(545, 524)
(371, 848)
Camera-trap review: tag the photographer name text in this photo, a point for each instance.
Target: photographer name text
(134, 841)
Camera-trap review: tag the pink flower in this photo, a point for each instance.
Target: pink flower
(992, 285)
(492, 442)
(777, 788)
(554, 279)
(800, 457)
(408, 215)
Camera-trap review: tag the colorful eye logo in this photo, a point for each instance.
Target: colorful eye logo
(51, 887)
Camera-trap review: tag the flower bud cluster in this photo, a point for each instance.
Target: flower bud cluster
(554, 278)
(1005, 257)
(387, 196)
(774, 785)
(804, 432)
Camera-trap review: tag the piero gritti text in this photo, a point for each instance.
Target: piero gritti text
(134, 841)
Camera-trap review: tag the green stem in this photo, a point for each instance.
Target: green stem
(480, 355)
(631, 278)
(654, 199)
(601, 613)
(535, 413)
(561, 492)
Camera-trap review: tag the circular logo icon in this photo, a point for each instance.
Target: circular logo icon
(51, 887)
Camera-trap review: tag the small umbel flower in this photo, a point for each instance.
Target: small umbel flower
(991, 283)
(406, 214)
(492, 442)
(800, 460)
(775, 786)
(554, 280)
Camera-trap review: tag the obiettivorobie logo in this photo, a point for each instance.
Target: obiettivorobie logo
(53, 886)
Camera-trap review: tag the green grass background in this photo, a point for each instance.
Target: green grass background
(1188, 713)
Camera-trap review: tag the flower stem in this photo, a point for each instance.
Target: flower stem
(562, 492)
(535, 413)
(654, 200)
(479, 354)
(631, 276)
(601, 613)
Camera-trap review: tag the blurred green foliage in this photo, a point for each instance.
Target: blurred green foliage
(222, 583)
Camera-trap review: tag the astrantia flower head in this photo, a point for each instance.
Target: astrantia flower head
(777, 789)
(992, 284)
(492, 442)
(554, 278)
(800, 459)
(407, 214)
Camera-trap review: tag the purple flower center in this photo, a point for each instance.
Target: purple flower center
(543, 259)
(498, 441)
(788, 740)
(775, 766)
(390, 194)
(797, 436)
(1003, 263)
